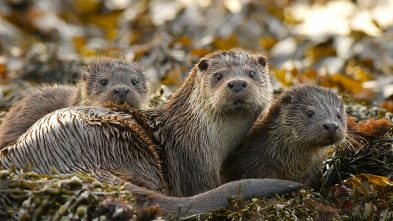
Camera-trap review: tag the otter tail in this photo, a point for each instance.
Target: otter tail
(215, 198)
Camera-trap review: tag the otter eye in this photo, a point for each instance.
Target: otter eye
(218, 76)
(134, 82)
(339, 116)
(104, 82)
(310, 113)
(251, 74)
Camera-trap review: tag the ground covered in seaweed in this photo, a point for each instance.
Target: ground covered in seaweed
(344, 45)
(28, 196)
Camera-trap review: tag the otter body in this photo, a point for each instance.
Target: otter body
(115, 146)
(104, 80)
(180, 144)
(288, 140)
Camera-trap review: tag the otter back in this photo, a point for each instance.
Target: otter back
(31, 108)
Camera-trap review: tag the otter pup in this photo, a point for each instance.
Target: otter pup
(288, 140)
(180, 144)
(104, 80)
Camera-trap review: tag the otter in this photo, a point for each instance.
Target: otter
(104, 80)
(173, 150)
(288, 140)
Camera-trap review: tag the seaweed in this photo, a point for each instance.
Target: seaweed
(364, 197)
(29, 196)
(300, 205)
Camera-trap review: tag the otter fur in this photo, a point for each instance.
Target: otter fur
(179, 145)
(289, 140)
(104, 80)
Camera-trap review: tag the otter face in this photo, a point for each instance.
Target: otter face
(235, 81)
(116, 81)
(315, 115)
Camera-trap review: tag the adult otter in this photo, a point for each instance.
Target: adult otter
(104, 80)
(180, 144)
(288, 140)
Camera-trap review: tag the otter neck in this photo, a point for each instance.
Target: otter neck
(195, 141)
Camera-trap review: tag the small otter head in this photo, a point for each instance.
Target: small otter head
(233, 81)
(114, 80)
(314, 115)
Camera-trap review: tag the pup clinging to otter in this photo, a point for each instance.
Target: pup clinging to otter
(180, 144)
(288, 140)
(104, 80)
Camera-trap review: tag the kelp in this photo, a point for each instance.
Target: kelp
(364, 197)
(300, 205)
(29, 196)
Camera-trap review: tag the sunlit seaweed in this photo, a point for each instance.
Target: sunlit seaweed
(29, 196)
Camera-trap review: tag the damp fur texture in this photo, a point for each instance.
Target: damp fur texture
(289, 140)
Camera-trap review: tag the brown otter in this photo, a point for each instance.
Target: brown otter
(288, 140)
(180, 144)
(104, 80)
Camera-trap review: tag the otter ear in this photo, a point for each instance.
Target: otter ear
(341, 99)
(203, 64)
(286, 99)
(84, 76)
(262, 60)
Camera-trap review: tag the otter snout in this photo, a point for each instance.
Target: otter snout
(331, 133)
(237, 85)
(237, 93)
(332, 127)
(121, 91)
(121, 95)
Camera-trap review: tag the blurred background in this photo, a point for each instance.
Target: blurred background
(345, 45)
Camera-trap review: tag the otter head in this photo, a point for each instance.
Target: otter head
(314, 115)
(113, 80)
(233, 81)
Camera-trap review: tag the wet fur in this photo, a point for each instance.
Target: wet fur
(175, 149)
(197, 130)
(88, 92)
(31, 108)
(285, 143)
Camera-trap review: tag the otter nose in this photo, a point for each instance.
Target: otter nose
(237, 86)
(330, 127)
(121, 91)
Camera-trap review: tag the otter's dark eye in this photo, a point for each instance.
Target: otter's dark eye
(251, 74)
(310, 113)
(104, 82)
(134, 82)
(218, 76)
(339, 116)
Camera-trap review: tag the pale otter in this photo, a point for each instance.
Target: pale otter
(288, 140)
(104, 80)
(180, 144)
